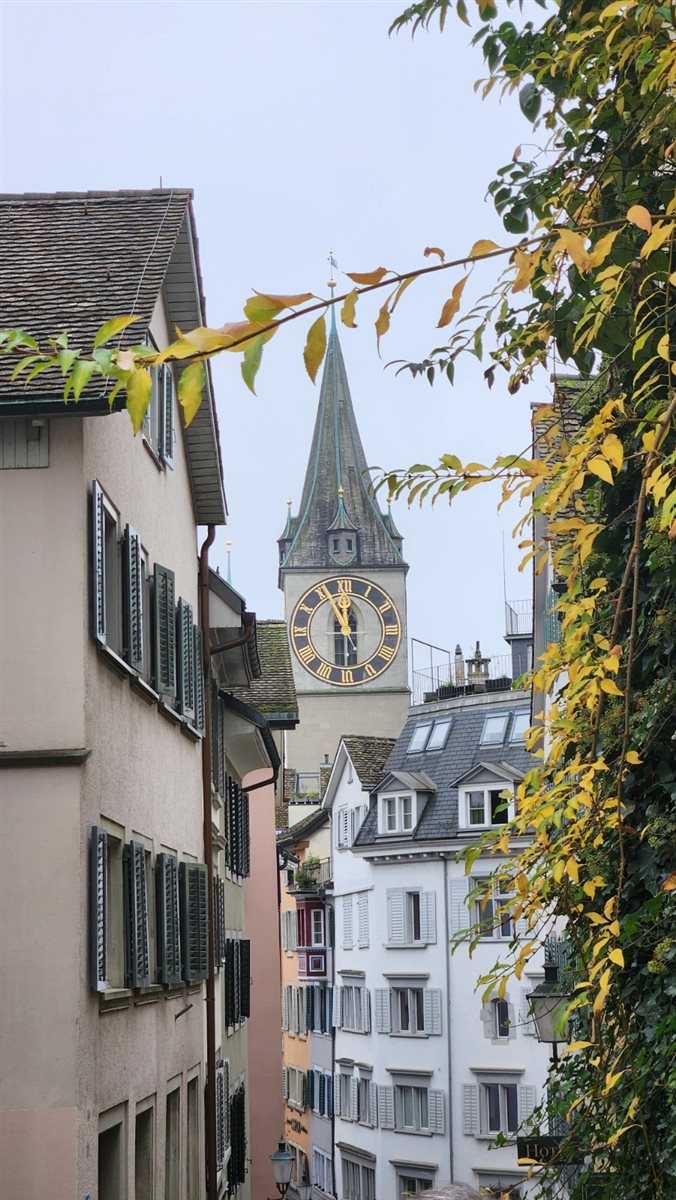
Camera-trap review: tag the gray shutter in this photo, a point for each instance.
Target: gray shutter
(283, 930)
(363, 920)
(219, 921)
(220, 1116)
(165, 631)
(98, 908)
(436, 1109)
(385, 1107)
(245, 980)
(200, 702)
(168, 920)
(365, 1010)
(185, 657)
(527, 1102)
(383, 1023)
(133, 599)
(194, 921)
(458, 913)
(521, 928)
(525, 1017)
(285, 1083)
(337, 1008)
(166, 385)
(98, 565)
(336, 1095)
(347, 923)
(136, 916)
(432, 1002)
(226, 1112)
(428, 917)
(373, 1104)
(285, 1008)
(470, 1109)
(396, 919)
(354, 1099)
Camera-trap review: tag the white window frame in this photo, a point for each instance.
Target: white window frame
(483, 910)
(521, 717)
(487, 789)
(366, 1189)
(317, 912)
(322, 1171)
(430, 736)
(503, 1106)
(345, 1087)
(396, 994)
(295, 1087)
(355, 1008)
(393, 808)
(485, 740)
(421, 1175)
(419, 1105)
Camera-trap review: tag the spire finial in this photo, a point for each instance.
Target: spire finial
(228, 552)
(288, 503)
(331, 283)
(341, 491)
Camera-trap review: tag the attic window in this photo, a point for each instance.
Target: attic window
(520, 724)
(397, 814)
(493, 733)
(429, 735)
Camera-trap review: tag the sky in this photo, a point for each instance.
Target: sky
(301, 127)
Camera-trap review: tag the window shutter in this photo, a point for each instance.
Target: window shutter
(470, 1109)
(221, 1110)
(432, 1002)
(285, 1009)
(294, 1023)
(200, 703)
(526, 1019)
(436, 1108)
(285, 1083)
(98, 908)
(237, 987)
(226, 1106)
(309, 1007)
(133, 599)
(302, 1012)
(168, 922)
(347, 923)
(185, 647)
(310, 1088)
(245, 967)
(521, 928)
(428, 917)
(219, 921)
(328, 1094)
(246, 845)
(383, 1010)
(354, 1099)
(373, 1103)
(165, 631)
(194, 921)
(385, 1107)
(98, 566)
(458, 913)
(321, 1093)
(365, 1010)
(336, 1095)
(136, 916)
(283, 925)
(396, 922)
(166, 383)
(363, 920)
(527, 1102)
(337, 1008)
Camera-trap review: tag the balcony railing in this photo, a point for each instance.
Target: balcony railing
(518, 618)
(313, 878)
(443, 682)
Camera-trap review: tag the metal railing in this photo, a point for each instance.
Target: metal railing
(518, 618)
(314, 877)
(444, 681)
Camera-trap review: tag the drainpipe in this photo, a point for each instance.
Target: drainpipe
(262, 783)
(448, 1019)
(211, 1155)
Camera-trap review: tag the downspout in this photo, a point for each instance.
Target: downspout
(262, 783)
(448, 1018)
(211, 1147)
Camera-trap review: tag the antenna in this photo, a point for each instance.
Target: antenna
(504, 570)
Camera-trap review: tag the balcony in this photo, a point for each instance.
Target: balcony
(312, 876)
(518, 618)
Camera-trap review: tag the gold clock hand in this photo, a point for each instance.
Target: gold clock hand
(339, 616)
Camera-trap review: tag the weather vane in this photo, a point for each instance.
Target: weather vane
(331, 283)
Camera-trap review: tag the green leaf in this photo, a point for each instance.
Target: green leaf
(80, 376)
(104, 358)
(23, 363)
(530, 101)
(66, 359)
(139, 388)
(110, 328)
(251, 361)
(315, 347)
(190, 385)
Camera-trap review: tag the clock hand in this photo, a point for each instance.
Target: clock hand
(342, 621)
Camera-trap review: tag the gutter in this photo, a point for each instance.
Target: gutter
(211, 1139)
(448, 1020)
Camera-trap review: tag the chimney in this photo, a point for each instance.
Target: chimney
(459, 667)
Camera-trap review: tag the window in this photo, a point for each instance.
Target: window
(411, 1108)
(237, 1165)
(520, 723)
(412, 913)
(411, 1185)
(493, 733)
(322, 1171)
(193, 1157)
(357, 815)
(397, 814)
(222, 1113)
(345, 1096)
(492, 912)
(487, 806)
(496, 1104)
(317, 927)
(408, 1010)
(158, 423)
(359, 1180)
(501, 1022)
(320, 1092)
(345, 644)
(411, 1105)
(144, 1150)
(499, 1103)
(294, 1087)
(355, 1004)
(408, 1014)
(172, 1146)
(106, 572)
(237, 981)
(301, 1172)
(112, 1154)
(24, 443)
(411, 917)
(430, 735)
(192, 879)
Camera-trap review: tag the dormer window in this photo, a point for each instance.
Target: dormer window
(495, 727)
(342, 546)
(430, 735)
(520, 723)
(485, 807)
(397, 814)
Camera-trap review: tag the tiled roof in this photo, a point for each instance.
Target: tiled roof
(463, 750)
(299, 831)
(274, 693)
(369, 755)
(69, 262)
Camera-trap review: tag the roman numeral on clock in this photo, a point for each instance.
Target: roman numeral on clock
(306, 654)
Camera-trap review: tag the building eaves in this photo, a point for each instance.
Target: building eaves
(258, 721)
(273, 692)
(302, 829)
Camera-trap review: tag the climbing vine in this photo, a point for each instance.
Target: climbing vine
(585, 282)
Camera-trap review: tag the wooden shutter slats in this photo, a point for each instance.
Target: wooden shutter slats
(194, 921)
(185, 656)
(98, 565)
(98, 908)
(133, 599)
(168, 920)
(165, 631)
(136, 914)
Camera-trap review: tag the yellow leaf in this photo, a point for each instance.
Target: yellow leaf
(601, 250)
(658, 237)
(611, 10)
(347, 311)
(400, 291)
(589, 889)
(573, 870)
(611, 447)
(616, 956)
(139, 387)
(609, 686)
(573, 1047)
(367, 277)
(483, 246)
(669, 884)
(639, 216)
(190, 385)
(525, 269)
(663, 347)
(262, 306)
(110, 328)
(452, 304)
(434, 250)
(614, 928)
(600, 467)
(632, 758)
(382, 322)
(315, 347)
(573, 244)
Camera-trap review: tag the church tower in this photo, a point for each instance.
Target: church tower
(343, 576)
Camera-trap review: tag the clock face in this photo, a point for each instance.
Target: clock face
(345, 631)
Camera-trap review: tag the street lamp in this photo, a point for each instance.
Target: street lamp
(548, 1005)
(304, 1190)
(282, 1167)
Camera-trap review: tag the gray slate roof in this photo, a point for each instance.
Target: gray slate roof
(461, 752)
(69, 262)
(369, 755)
(274, 693)
(337, 460)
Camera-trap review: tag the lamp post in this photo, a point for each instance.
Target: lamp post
(282, 1167)
(548, 1004)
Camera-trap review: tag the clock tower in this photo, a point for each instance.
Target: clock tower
(343, 576)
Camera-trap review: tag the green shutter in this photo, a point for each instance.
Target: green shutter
(200, 717)
(136, 916)
(246, 843)
(165, 632)
(168, 922)
(194, 921)
(166, 385)
(98, 908)
(133, 599)
(245, 977)
(185, 657)
(98, 565)
(219, 922)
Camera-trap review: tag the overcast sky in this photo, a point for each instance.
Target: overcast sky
(301, 127)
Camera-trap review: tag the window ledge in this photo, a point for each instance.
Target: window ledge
(190, 732)
(194, 985)
(173, 990)
(153, 454)
(404, 1033)
(415, 1132)
(169, 712)
(145, 691)
(114, 999)
(113, 660)
(148, 995)
(406, 945)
